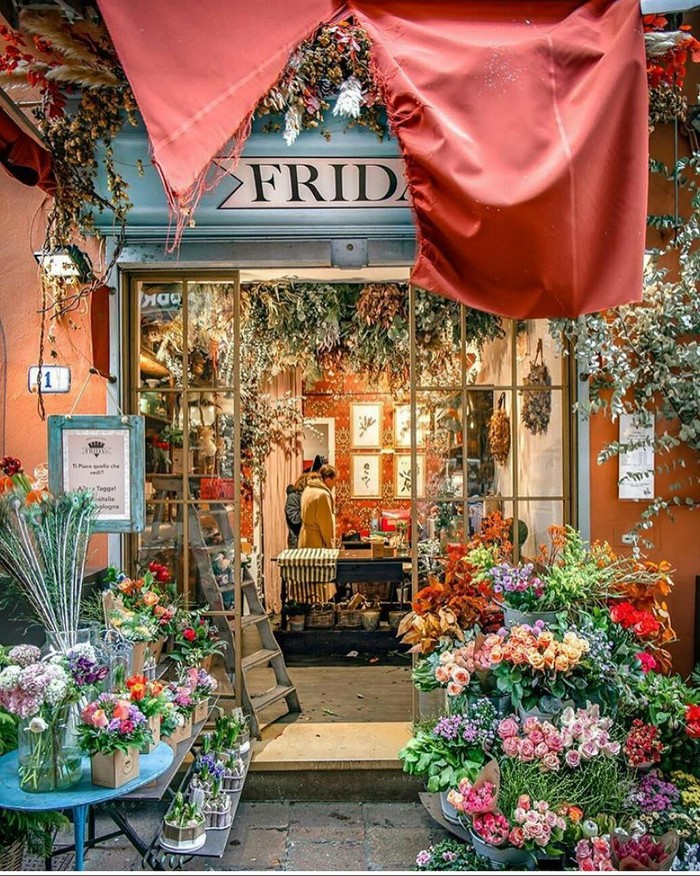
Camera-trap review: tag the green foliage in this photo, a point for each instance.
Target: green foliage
(451, 854)
(442, 765)
(597, 786)
(644, 359)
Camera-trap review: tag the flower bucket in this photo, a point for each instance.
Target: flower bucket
(114, 770)
(201, 711)
(156, 648)
(370, 619)
(448, 810)
(513, 618)
(431, 702)
(514, 859)
(501, 702)
(395, 618)
(50, 759)
(183, 838)
(296, 626)
(154, 727)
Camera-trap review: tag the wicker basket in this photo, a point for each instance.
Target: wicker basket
(349, 618)
(11, 856)
(379, 591)
(320, 617)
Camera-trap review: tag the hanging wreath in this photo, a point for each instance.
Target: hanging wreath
(499, 432)
(536, 406)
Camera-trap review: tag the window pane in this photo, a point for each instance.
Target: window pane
(210, 334)
(491, 365)
(540, 454)
(538, 517)
(488, 429)
(530, 333)
(162, 541)
(440, 441)
(160, 321)
(210, 417)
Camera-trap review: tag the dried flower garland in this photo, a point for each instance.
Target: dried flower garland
(499, 432)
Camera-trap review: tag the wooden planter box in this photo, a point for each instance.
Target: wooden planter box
(114, 770)
(201, 712)
(154, 727)
(179, 734)
(156, 648)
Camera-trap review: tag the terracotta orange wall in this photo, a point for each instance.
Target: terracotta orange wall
(676, 540)
(24, 435)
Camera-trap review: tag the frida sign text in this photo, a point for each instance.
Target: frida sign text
(284, 183)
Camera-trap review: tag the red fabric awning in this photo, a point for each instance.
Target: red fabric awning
(23, 157)
(523, 126)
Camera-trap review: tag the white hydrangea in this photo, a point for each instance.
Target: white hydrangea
(9, 677)
(349, 100)
(83, 649)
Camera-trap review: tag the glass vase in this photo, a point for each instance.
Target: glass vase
(49, 755)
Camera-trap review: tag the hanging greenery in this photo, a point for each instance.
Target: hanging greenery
(365, 329)
(644, 359)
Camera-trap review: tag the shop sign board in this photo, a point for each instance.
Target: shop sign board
(636, 471)
(104, 454)
(302, 183)
(54, 378)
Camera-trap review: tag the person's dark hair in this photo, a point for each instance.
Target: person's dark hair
(318, 463)
(327, 471)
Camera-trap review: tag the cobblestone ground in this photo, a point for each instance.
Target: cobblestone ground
(298, 836)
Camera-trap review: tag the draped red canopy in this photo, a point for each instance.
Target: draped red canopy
(523, 127)
(23, 157)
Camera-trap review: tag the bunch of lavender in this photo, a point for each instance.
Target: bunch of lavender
(517, 586)
(653, 794)
(474, 728)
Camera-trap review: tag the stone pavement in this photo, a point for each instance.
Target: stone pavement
(298, 836)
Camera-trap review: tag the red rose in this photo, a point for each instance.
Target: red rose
(189, 634)
(692, 722)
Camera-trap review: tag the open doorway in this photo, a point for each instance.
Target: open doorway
(246, 379)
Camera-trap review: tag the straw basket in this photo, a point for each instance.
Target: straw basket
(349, 619)
(320, 617)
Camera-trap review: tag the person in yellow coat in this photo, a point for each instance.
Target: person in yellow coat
(318, 510)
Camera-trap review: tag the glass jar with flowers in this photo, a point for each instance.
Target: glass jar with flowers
(43, 694)
(113, 732)
(196, 642)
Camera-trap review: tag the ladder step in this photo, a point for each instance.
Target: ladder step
(249, 620)
(259, 658)
(278, 692)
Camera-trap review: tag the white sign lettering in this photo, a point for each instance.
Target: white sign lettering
(54, 378)
(282, 183)
(636, 480)
(98, 460)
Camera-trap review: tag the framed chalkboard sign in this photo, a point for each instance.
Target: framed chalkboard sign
(104, 454)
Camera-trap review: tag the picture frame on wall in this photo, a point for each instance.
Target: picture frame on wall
(402, 426)
(403, 475)
(366, 476)
(366, 423)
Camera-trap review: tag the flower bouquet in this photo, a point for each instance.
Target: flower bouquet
(643, 853)
(196, 642)
(183, 703)
(202, 685)
(113, 731)
(172, 725)
(42, 692)
(643, 746)
(152, 700)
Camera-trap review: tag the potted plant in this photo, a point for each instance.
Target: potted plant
(183, 826)
(43, 694)
(196, 642)
(151, 699)
(180, 695)
(206, 770)
(218, 810)
(202, 685)
(113, 731)
(172, 726)
(231, 732)
(296, 612)
(234, 772)
(449, 748)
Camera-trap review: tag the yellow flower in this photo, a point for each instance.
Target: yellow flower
(536, 660)
(561, 664)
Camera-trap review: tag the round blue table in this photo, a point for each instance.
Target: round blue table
(81, 796)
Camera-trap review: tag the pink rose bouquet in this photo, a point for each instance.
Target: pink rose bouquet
(112, 723)
(593, 855)
(536, 825)
(473, 800)
(200, 683)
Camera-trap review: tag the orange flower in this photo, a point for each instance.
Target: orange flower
(135, 679)
(121, 710)
(138, 691)
(6, 484)
(150, 598)
(156, 688)
(34, 496)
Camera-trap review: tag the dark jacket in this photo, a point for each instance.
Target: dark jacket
(292, 513)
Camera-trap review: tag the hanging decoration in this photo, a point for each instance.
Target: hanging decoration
(536, 404)
(668, 52)
(499, 432)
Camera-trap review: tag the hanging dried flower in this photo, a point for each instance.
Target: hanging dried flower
(292, 124)
(537, 403)
(499, 432)
(349, 102)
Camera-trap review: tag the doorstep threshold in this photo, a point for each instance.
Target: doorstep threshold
(302, 745)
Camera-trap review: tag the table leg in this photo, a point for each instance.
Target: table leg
(79, 817)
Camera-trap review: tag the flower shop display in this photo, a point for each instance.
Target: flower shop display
(42, 692)
(202, 685)
(196, 642)
(643, 852)
(112, 732)
(183, 705)
(152, 700)
(183, 826)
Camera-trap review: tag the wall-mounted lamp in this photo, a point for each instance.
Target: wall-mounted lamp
(68, 262)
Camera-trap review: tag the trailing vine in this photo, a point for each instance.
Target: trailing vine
(644, 359)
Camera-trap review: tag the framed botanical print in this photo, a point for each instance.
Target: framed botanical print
(366, 425)
(402, 426)
(366, 476)
(403, 475)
